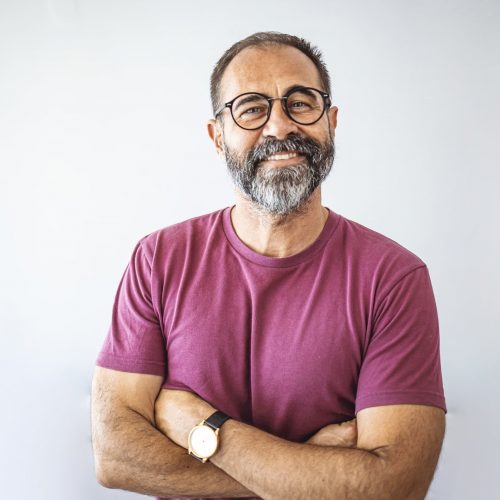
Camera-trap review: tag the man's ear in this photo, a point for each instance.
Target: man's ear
(214, 129)
(332, 118)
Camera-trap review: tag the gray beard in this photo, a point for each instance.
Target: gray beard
(281, 191)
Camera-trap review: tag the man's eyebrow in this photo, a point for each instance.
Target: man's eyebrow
(294, 87)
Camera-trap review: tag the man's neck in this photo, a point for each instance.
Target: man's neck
(279, 236)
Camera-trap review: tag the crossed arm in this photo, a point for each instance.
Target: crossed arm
(397, 449)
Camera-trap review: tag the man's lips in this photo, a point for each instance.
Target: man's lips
(285, 157)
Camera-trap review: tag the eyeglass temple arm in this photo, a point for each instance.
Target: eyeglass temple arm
(227, 105)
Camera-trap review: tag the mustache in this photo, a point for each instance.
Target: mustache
(292, 143)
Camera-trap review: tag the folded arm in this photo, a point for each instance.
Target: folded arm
(398, 448)
(131, 454)
(396, 455)
(397, 451)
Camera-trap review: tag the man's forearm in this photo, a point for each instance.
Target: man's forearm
(275, 468)
(133, 455)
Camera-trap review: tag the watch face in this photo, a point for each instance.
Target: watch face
(203, 441)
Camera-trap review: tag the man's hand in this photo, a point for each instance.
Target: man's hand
(177, 412)
(344, 434)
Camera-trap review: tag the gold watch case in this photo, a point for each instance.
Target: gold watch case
(203, 441)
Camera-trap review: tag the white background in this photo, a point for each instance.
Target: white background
(103, 106)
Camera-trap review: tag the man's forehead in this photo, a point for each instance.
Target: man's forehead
(269, 70)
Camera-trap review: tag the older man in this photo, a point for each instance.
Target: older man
(241, 339)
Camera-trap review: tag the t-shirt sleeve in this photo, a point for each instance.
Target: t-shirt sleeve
(135, 342)
(402, 361)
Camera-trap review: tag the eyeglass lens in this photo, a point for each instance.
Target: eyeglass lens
(305, 106)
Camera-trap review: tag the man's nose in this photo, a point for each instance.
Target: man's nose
(279, 124)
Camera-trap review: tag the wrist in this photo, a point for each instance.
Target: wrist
(224, 441)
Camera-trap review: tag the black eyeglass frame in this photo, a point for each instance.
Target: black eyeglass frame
(326, 104)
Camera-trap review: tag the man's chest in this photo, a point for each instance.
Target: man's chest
(282, 354)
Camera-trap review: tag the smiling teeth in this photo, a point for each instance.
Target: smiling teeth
(283, 156)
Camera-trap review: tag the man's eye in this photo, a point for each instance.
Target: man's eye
(253, 110)
(300, 104)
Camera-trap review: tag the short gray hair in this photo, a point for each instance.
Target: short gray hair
(265, 39)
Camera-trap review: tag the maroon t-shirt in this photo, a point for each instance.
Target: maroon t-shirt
(287, 345)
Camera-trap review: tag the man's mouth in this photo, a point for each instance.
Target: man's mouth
(282, 156)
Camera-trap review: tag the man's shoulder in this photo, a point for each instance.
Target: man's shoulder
(379, 252)
(178, 235)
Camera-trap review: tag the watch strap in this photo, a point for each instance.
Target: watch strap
(216, 419)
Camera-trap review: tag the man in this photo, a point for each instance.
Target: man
(242, 339)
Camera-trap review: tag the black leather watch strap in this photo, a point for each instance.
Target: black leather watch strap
(216, 419)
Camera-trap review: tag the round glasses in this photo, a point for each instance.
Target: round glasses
(303, 105)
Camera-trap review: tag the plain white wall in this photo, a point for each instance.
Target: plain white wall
(103, 106)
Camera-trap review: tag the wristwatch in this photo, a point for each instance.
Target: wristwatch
(203, 439)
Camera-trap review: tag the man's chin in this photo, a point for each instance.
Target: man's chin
(281, 210)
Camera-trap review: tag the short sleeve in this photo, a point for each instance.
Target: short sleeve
(135, 341)
(402, 361)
